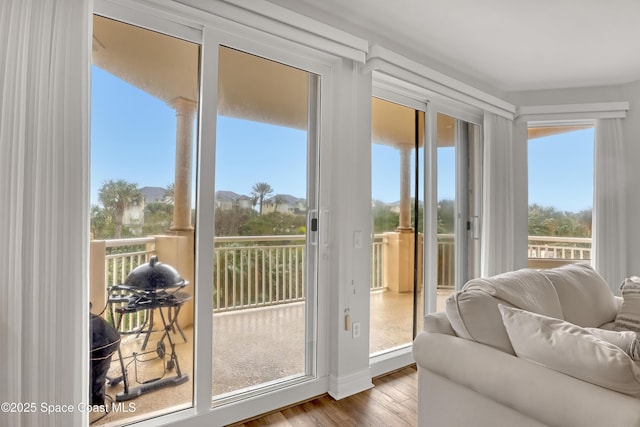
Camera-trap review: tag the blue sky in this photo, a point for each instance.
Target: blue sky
(561, 170)
(251, 152)
(132, 135)
(133, 138)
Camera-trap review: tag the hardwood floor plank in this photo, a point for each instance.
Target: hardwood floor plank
(274, 419)
(297, 416)
(403, 381)
(394, 407)
(383, 416)
(411, 405)
(392, 402)
(399, 391)
(337, 417)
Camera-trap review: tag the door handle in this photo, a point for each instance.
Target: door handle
(312, 227)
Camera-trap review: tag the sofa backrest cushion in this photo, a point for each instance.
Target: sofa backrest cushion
(474, 316)
(527, 289)
(585, 297)
(473, 311)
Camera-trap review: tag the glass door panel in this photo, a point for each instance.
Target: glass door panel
(265, 225)
(397, 153)
(446, 190)
(143, 116)
(459, 204)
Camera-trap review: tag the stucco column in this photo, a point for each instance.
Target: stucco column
(185, 114)
(405, 190)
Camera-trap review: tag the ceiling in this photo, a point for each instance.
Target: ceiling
(512, 45)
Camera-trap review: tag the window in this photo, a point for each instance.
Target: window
(560, 159)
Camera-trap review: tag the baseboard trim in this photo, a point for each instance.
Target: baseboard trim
(388, 362)
(348, 385)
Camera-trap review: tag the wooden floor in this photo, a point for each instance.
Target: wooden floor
(392, 402)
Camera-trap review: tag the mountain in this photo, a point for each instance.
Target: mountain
(230, 196)
(153, 194)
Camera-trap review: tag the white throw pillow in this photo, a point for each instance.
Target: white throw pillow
(572, 350)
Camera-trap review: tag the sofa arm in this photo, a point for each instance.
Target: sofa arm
(438, 323)
(551, 397)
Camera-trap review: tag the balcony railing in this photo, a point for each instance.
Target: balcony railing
(446, 262)
(258, 271)
(377, 262)
(569, 248)
(268, 270)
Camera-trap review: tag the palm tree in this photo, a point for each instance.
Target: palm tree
(115, 196)
(169, 195)
(278, 200)
(260, 191)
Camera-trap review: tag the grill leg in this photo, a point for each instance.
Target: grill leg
(167, 327)
(150, 329)
(173, 321)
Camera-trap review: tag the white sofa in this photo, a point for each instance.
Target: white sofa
(469, 373)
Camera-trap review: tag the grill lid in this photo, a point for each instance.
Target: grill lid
(154, 275)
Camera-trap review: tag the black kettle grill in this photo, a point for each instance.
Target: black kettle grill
(152, 286)
(154, 276)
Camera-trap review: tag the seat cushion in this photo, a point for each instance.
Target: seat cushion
(585, 297)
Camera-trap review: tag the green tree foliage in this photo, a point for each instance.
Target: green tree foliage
(446, 216)
(102, 225)
(543, 220)
(115, 197)
(274, 224)
(384, 218)
(229, 221)
(158, 218)
(548, 221)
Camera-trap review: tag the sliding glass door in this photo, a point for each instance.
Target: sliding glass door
(397, 209)
(458, 163)
(265, 225)
(258, 166)
(398, 250)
